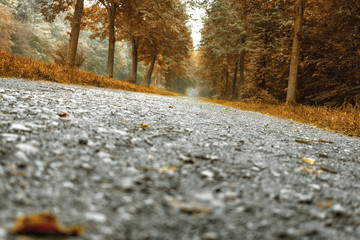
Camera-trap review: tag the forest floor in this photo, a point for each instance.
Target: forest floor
(128, 165)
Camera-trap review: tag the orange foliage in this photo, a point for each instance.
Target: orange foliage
(19, 67)
(343, 120)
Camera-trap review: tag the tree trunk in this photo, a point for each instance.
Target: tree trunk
(295, 55)
(226, 80)
(135, 46)
(152, 64)
(111, 49)
(235, 78)
(75, 32)
(242, 71)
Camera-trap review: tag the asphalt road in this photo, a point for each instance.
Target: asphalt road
(138, 166)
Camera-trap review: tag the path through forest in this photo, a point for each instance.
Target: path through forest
(138, 166)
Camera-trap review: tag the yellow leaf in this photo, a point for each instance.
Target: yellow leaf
(310, 161)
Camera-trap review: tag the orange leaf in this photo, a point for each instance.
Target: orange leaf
(144, 126)
(44, 224)
(171, 107)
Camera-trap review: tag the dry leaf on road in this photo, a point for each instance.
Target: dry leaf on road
(44, 224)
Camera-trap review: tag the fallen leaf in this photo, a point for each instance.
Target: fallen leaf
(164, 169)
(189, 207)
(171, 107)
(44, 224)
(167, 169)
(323, 141)
(310, 170)
(63, 115)
(308, 141)
(303, 141)
(326, 205)
(144, 126)
(310, 161)
(328, 169)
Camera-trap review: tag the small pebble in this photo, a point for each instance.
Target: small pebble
(19, 127)
(95, 217)
(27, 148)
(210, 236)
(338, 209)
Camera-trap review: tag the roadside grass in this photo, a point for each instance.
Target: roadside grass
(20, 67)
(345, 120)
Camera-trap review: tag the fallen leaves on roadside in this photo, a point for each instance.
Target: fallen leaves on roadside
(310, 161)
(189, 207)
(310, 170)
(63, 115)
(144, 126)
(164, 169)
(44, 224)
(325, 205)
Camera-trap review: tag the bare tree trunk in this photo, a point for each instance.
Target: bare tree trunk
(295, 55)
(226, 80)
(242, 71)
(235, 78)
(135, 46)
(111, 49)
(75, 32)
(151, 69)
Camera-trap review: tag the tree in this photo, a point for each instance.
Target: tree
(7, 28)
(295, 56)
(167, 38)
(75, 32)
(330, 67)
(223, 43)
(51, 9)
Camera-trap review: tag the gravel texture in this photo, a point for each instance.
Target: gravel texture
(138, 166)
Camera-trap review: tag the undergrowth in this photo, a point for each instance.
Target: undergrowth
(19, 67)
(345, 120)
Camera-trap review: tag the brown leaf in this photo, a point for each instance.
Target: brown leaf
(171, 107)
(328, 168)
(303, 141)
(44, 224)
(63, 115)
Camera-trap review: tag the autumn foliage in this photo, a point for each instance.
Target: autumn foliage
(329, 59)
(20, 67)
(343, 119)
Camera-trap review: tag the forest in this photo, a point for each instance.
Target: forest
(293, 51)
